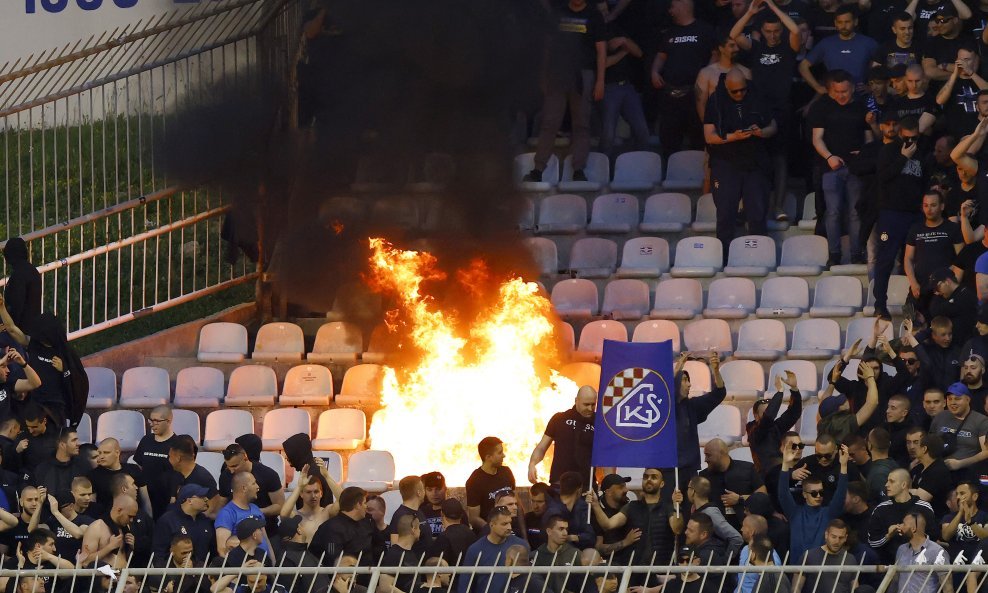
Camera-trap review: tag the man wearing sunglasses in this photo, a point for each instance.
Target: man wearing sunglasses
(807, 522)
(765, 432)
(822, 465)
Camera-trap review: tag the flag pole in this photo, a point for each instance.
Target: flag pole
(676, 487)
(590, 487)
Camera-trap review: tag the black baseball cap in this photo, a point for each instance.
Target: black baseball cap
(434, 480)
(248, 526)
(452, 509)
(288, 527)
(613, 480)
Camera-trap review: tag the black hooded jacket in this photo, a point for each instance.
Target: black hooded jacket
(23, 290)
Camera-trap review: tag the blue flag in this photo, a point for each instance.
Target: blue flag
(636, 407)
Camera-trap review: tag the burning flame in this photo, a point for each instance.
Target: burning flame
(489, 377)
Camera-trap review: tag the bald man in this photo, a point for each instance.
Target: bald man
(572, 431)
(108, 465)
(109, 537)
(885, 528)
(731, 481)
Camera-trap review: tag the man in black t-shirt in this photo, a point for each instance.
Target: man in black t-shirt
(926, 11)
(152, 456)
(572, 431)
(621, 98)
(487, 481)
(916, 101)
(435, 495)
(734, 125)
(940, 52)
(108, 465)
(574, 74)
(684, 49)
(412, 490)
(901, 49)
(930, 244)
(182, 457)
(959, 94)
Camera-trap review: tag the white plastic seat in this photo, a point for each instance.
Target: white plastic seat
(626, 299)
(592, 337)
(807, 423)
(340, 429)
(275, 461)
(836, 296)
(282, 423)
(526, 162)
(751, 255)
(279, 341)
(224, 426)
(804, 370)
(730, 298)
(677, 298)
(567, 338)
(361, 386)
(199, 387)
(372, 470)
(635, 473)
(526, 220)
(896, 296)
(637, 171)
(187, 422)
(698, 257)
(544, 253)
(575, 298)
(212, 462)
(597, 171)
(803, 255)
(252, 385)
(784, 297)
(658, 330)
(685, 170)
(706, 215)
(392, 500)
(593, 257)
(102, 388)
(307, 385)
(582, 373)
(862, 328)
(127, 426)
(666, 213)
(354, 296)
(815, 339)
(709, 335)
(761, 339)
(562, 214)
(741, 454)
(337, 341)
(700, 380)
(723, 423)
(644, 257)
(145, 387)
(380, 346)
(743, 379)
(85, 429)
(222, 342)
(808, 222)
(613, 213)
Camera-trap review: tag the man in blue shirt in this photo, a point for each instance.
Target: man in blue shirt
(490, 551)
(244, 490)
(848, 50)
(808, 521)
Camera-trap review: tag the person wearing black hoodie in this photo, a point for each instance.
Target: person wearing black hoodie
(765, 432)
(23, 289)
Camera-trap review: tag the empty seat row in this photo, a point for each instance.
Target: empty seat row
(337, 429)
(633, 171)
(727, 298)
(249, 385)
(227, 342)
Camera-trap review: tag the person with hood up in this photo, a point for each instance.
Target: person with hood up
(690, 413)
(23, 289)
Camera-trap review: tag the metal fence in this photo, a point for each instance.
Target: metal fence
(111, 235)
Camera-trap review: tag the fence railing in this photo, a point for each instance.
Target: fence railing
(79, 127)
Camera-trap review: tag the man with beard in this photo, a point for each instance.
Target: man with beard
(731, 481)
(963, 431)
(650, 515)
(972, 375)
(615, 543)
(572, 432)
(435, 494)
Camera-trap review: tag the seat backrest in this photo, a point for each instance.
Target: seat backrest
(743, 374)
(342, 423)
(638, 166)
(199, 382)
(841, 291)
(762, 334)
(544, 253)
(706, 210)
(657, 330)
(275, 461)
(785, 291)
(593, 252)
(679, 293)
(582, 373)
(708, 334)
(362, 379)
(686, 165)
(563, 209)
(102, 383)
(625, 295)
(334, 463)
(566, 335)
(279, 337)
(863, 328)
(223, 337)
(752, 250)
(187, 422)
(594, 333)
(700, 380)
(615, 209)
(339, 337)
(574, 294)
(809, 206)
(646, 252)
(816, 333)
(212, 462)
(804, 370)
(731, 293)
(804, 250)
(724, 420)
(285, 422)
(668, 207)
(145, 382)
(228, 423)
(308, 379)
(371, 466)
(252, 379)
(597, 169)
(127, 426)
(85, 429)
(699, 251)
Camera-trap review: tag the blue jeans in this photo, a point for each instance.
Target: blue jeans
(623, 100)
(841, 192)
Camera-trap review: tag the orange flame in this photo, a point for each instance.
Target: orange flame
(490, 378)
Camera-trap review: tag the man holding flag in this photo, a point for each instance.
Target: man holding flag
(690, 413)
